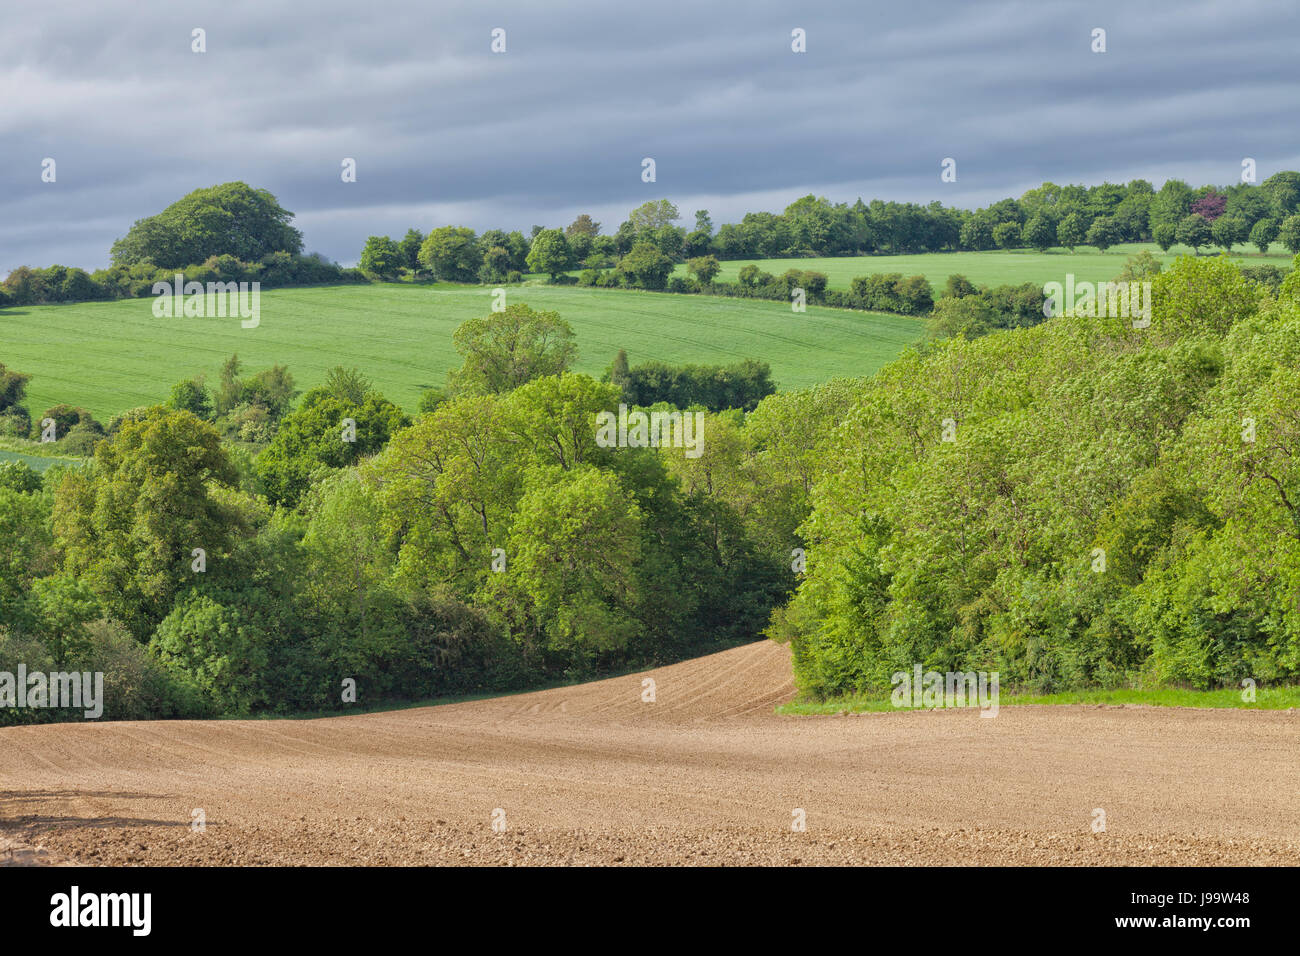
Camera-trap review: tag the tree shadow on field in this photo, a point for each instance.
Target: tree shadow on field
(12, 803)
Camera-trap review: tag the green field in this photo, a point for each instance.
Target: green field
(37, 462)
(34, 454)
(992, 268)
(110, 356)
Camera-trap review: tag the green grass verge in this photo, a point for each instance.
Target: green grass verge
(111, 356)
(1266, 698)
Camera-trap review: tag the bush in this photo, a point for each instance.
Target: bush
(81, 439)
(15, 422)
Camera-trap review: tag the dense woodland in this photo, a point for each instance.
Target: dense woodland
(1075, 503)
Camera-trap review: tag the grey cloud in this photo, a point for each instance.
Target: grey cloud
(444, 131)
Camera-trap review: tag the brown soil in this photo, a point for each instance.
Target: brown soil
(707, 774)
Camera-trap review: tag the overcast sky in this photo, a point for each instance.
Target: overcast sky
(445, 132)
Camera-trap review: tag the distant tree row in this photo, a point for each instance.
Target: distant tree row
(233, 232)
(1044, 217)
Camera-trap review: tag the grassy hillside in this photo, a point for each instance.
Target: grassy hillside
(109, 356)
(993, 268)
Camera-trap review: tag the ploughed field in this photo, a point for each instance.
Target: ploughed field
(707, 773)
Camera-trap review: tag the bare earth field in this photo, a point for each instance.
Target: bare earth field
(707, 774)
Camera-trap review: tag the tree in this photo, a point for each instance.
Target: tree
(652, 216)
(697, 243)
(1289, 233)
(647, 265)
(1199, 297)
(1070, 232)
(1139, 266)
(1039, 233)
(410, 248)
(230, 391)
(582, 226)
(1171, 204)
(576, 543)
(704, 268)
(317, 434)
(504, 350)
(1283, 192)
(958, 287)
(27, 550)
(1165, 235)
(1262, 234)
(348, 384)
(272, 388)
(1228, 230)
(703, 222)
(550, 253)
(977, 232)
(1103, 233)
(13, 386)
(496, 264)
(128, 529)
(1007, 235)
(1194, 231)
(192, 396)
(382, 257)
(669, 239)
(618, 372)
(451, 253)
(230, 219)
(1210, 206)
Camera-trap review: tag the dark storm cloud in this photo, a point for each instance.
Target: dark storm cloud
(444, 131)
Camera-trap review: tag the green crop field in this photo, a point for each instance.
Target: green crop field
(994, 267)
(33, 461)
(110, 356)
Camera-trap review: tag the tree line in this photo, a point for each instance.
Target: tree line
(1045, 217)
(232, 232)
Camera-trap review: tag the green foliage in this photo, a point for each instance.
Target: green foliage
(347, 384)
(1289, 234)
(1039, 233)
(452, 253)
(410, 249)
(706, 268)
(382, 257)
(1195, 231)
(1070, 232)
(957, 519)
(716, 387)
(128, 528)
(191, 396)
(13, 386)
(325, 431)
(1202, 297)
(646, 266)
(230, 219)
(550, 253)
(505, 349)
(1263, 233)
